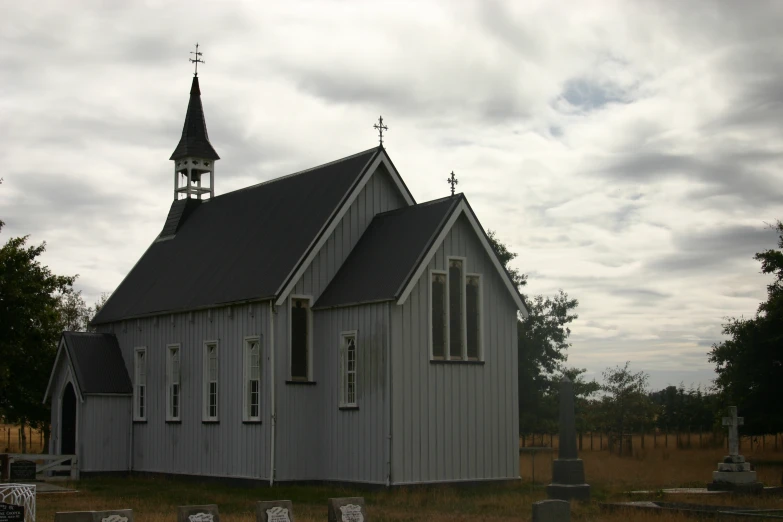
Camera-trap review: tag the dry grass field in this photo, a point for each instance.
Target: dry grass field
(155, 499)
(10, 443)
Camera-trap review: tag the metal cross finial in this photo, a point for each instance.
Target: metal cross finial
(452, 181)
(197, 60)
(380, 127)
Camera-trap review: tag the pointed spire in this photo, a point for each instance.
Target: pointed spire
(194, 141)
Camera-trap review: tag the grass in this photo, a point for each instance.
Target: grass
(611, 477)
(10, 443)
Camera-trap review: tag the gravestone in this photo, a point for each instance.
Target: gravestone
(22, 470)
(568, 471)
(734, 474)
(551, 511)
(11, 513)
(275, 511)
(113, 515)
(207, 513)
(347, 509)
(22, 495)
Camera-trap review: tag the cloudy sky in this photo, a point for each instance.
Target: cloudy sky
(629, 152)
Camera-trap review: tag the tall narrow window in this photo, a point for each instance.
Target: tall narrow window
(300, 339)
(348, 370)
(456, 300)
(140, 385)
(473, 313)
(438, 314)
(172, 383)
(210, 381)
(252, 379)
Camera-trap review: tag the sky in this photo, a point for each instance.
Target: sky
(630, 153)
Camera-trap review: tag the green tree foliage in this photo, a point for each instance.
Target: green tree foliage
(625, 407)
(750, 363)
(542, 339)
(32, 320)
(680, 409)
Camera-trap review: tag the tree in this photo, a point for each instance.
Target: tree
(750, 363)
(626, 404)
(542, 341)
(30, 308)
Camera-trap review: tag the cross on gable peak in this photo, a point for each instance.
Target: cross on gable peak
(197, 60)
(380, 127)
(452, 181)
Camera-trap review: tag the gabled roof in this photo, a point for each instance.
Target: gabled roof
(392, 245)
(238, 246)
(400, 244)
(194, 140)
(97, 364)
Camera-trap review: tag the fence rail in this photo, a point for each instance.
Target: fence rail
(686, 439)
(44, 462)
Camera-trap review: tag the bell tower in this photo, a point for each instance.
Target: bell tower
(194, 156)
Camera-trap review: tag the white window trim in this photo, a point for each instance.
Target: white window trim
(170, 383)
(136, 352)
(480, 306)
(309, 300)
(341, 360)
(429, 315)
(246, 417)
(205, 417)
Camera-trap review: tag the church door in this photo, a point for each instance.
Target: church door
(68, 422)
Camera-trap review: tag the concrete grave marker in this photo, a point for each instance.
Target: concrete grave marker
(734, 474)
(551, 511)
(113, 515)
(15, 496)
(206, 513)
(347, 509)
(568, 471)
(275, 511)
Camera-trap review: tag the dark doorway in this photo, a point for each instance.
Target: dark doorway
(68, 422)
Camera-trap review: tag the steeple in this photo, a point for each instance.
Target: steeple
(194, 155)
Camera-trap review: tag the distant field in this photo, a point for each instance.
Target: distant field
(155, 500)
(9, 439)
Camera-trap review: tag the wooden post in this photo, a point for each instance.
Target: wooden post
(601, 440)
(701, 431)
(655, 436)
(591, 441)
(642, 437)
(689, 437)
(667, 437)
(580, 441)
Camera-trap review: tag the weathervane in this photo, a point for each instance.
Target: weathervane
(381, 127)
(452, 181)
(197, 60)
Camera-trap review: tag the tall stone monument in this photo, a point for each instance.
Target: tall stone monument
(734, 473)
(568, 470)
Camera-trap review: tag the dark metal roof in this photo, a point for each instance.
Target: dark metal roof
(97, 362)
(237, 246)
(194, 141)
(387, 254)
(178, 213)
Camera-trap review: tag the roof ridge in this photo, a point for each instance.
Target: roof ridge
(267, 182)
(455, 197)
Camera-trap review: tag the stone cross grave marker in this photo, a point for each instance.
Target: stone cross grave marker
(551, 511)
(113, 515)
(11, 513)
(733, 422)
(22, 470)
(347, 509)
(206, 513)
(275, 511)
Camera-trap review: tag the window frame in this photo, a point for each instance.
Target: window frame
(246, 404)
(170, 417)
(445, 311)
(464, 330)
(480, 322)
(205, 416)
(309, 345)
(342, 371)
(144, 402)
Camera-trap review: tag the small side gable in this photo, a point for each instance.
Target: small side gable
(462, 209)
(62, 364)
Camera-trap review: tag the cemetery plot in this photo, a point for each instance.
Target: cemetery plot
(11, 513)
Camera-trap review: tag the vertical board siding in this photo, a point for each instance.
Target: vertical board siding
(455, 421)
(104, 433)
(380, 194)
(226, 448)
(315, 439)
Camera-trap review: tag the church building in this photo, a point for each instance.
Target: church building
(320, 326)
